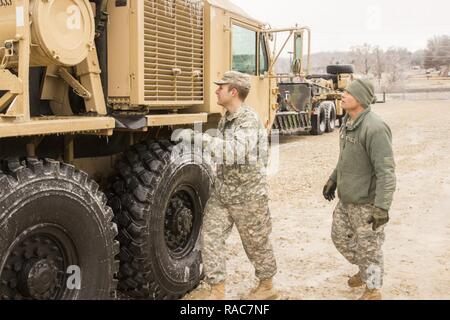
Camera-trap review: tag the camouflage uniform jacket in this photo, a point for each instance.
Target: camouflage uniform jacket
(241, 150)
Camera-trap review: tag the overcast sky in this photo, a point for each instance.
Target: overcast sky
(385, 23)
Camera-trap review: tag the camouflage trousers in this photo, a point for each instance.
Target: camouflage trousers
(358, 243)
(254, 225)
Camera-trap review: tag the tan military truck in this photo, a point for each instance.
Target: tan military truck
(90, 92)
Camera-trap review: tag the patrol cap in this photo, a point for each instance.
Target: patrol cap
(363, 91)
(235, 78)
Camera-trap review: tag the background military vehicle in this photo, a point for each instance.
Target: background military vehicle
(310, 102)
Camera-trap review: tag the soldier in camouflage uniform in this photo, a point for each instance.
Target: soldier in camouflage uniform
(365, 180)
(240, 193)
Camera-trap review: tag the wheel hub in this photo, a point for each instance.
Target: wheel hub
(34, 269)
(184, 221)
(41, 279)
(179, 222)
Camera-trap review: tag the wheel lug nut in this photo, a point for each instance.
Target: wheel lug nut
(39, 252)
(13, 283)
(17, 266)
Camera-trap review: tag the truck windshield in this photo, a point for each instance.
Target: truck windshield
(244, 50)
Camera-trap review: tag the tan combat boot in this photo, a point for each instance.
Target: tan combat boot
(214, 292)
(356, 281)
(264, 291)
(371, 294)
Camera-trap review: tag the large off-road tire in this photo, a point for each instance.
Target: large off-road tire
(319, 122)
(330, 114)
(158, 201)
(54, 220)
(340, 68)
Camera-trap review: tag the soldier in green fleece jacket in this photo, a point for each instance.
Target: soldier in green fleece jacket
(365, 181)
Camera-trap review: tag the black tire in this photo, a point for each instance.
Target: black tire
(319, 122)
(331, 115)
(53, 217)
(159, 203)
(340, 68)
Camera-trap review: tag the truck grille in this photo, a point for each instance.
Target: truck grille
(174, 47)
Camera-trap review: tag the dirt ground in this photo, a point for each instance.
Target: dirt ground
(417, 248)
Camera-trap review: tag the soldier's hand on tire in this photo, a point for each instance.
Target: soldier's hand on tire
(329, 190)
(379, 218)
(189, 136)
(183, 135)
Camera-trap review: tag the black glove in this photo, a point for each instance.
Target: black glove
(329, 190)
(379, 218)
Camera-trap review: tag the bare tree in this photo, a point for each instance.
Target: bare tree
(418, 57)
(398, 60)
(362, 58)
(437, 54)
(379, 63)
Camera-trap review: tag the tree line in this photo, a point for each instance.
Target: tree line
(370, 59)
(384, 65)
